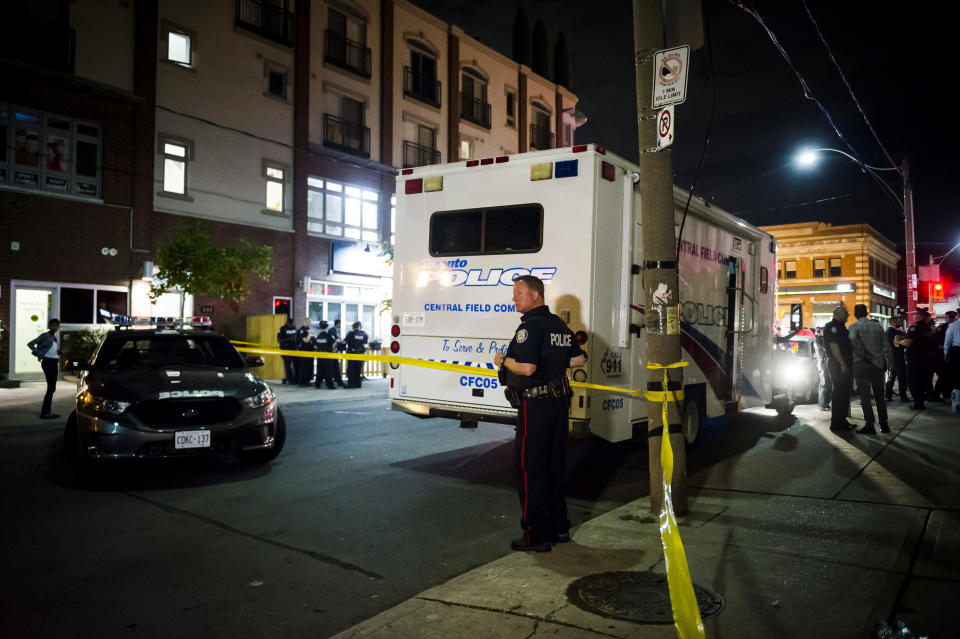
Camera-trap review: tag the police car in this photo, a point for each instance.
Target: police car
(165, 391)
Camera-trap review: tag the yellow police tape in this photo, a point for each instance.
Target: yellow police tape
(260, 349)
(686, 612)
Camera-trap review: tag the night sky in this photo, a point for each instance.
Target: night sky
(894, 55)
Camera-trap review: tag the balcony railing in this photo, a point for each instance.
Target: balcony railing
(346, 54)
(476, 110)
(418, 155)
(266, 19)
(541, 137)
(346, 136)
(421, 87)
(33, 40)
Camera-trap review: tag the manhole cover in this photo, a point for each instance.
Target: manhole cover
(640, 597)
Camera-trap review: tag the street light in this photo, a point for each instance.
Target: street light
(807, 158)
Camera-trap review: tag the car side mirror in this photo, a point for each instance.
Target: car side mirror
(253, 361)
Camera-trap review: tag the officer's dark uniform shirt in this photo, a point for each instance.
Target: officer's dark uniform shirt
(897, 351)
(355, 341)
(835, 332)
(324, 341)
(287, 337)
(543, 339)
(302, 332)
(924, 347)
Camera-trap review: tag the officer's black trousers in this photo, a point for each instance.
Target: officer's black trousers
(919, 374)
(899, 374)
(304, 370)
(325, 375)
(541, 458)
(289, 368)
(840, 399)
(354, 371)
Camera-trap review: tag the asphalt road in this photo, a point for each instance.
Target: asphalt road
(364, 509)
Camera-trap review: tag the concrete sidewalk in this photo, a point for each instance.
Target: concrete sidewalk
(803, 534)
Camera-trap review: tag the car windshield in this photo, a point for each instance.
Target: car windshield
(131, 350)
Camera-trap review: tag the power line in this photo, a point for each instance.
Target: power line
(807, 92)
(794, 206)
(850, 89)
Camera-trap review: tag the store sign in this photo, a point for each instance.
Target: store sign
(883, 292)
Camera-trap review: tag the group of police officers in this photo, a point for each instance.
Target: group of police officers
(918, 354)
(300, 370)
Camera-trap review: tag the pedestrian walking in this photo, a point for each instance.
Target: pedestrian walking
(534, 373)
(824, 388)
(356, 341)
(840, 363)
(305, 342)
(898, 370)
(921, 346)
(46, 348)
(325, 366)
(871, 357)
(287, 341)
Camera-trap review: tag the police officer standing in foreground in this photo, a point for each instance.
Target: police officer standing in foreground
(325, 367)
(338, 346)
(534, 371)
(287, 340)
(840, 362)
(356, 341)
(898, 373)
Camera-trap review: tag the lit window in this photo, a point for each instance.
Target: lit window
(819, 268)
(466, 149)
(274, 176)
(343, 210)
(175, 155)
(178, 49)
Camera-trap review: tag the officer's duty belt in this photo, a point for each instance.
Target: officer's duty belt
(542, 392)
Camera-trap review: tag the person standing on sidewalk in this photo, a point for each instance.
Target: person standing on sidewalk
(921, 346)
(287, 341)
(840, 363)
(944, 382)
(824, 387)
(951, 355)
(46, 348)
(305, 342)
(356, 341)
(338, 346)
(898, 372)
(325, 366)
(534, 372)
(871, 356)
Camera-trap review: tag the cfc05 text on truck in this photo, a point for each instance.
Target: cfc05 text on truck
(572, 217)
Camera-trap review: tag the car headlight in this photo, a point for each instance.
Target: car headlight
(260, 400)
(792, 373)
(98, 404)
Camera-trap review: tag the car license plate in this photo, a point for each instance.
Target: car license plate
(191, 439)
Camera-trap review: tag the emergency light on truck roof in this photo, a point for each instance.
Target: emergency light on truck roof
(423, 185)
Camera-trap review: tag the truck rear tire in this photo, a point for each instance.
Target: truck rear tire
(691, 421)
(784, 405)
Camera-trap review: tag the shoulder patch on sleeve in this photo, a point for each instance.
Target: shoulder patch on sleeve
(521, 336)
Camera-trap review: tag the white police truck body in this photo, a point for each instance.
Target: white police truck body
(572, 218)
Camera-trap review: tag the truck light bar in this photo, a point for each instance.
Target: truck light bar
(502, 158)
(567, 168)
(473, 162)
(486, 161)
(413, 186)
(543, 171)
(433, 183)
(406, 171)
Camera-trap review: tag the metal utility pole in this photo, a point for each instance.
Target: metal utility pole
(660, 260)
(911, 246)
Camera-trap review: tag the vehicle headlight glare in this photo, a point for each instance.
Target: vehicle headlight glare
(791, 373)
(103, 405)
(260, 400)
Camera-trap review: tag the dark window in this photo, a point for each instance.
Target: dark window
(819, 268)
(114, 302)
(835, 269)
(504, 229)
(871, 268)
(278, 84)
(76, 305)
(351, 111)
(511, 104)
(764, 279)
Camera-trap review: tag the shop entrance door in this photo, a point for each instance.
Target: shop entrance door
(33, 307)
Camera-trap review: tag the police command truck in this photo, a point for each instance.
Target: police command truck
(572, 218)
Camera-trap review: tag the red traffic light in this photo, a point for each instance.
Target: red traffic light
(938, 290)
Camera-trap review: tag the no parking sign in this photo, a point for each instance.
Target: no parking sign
(665, 127)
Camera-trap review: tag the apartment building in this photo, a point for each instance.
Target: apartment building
(820, 266)
(278, 121)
